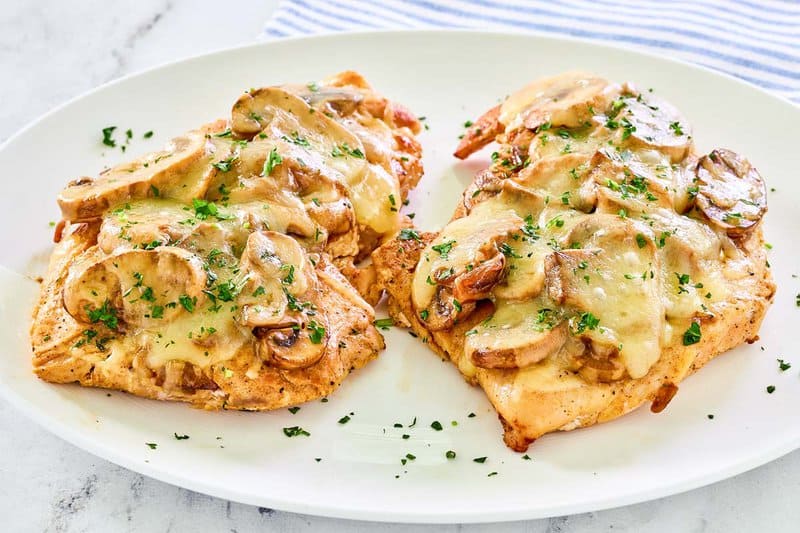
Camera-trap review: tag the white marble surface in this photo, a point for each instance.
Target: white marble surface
(52, 50)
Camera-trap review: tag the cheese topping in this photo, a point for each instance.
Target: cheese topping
(212, 243)
(590, 200)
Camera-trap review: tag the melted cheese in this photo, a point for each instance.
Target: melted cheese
(604, 185)
(300, 173)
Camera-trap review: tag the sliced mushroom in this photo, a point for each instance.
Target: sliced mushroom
(378, 107)
(515, 347)
(652, 123)
(481, 133)
(276, 270)
(291, 348)
(568, 100)
(628, 185)
(485, 185)
(187, 155)
(731, 193)
(133, 287)
(445, 310)
(464, 246)
(183, 376)
(618, 269)
(598, 366)
(565, 177)
(477, 284)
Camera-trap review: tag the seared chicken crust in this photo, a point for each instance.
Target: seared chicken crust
(595, 264)
(209, 272)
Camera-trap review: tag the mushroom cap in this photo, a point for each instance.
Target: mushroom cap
(183, 161)
(291, 347)
(568, 100)
(140, 287)
(731, 193)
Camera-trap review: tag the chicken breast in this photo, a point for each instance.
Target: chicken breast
(207, 272)
(594, 265)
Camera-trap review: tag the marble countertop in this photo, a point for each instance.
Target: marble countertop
(51, 51)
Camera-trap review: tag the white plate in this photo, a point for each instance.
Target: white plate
(448, 77)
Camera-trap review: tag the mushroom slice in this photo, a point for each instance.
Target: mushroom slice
(292, 347)
(598, 367)
(183, 157)
(333, 149)
(445, 310)
(136, 288)
(568, 100)
(481, 133)
(485, 185)
(341, 100)
(652, 123)
(463, 246)
(277, 273)
(515, 345)
(477, 283)
(618, 269)
(731, 193)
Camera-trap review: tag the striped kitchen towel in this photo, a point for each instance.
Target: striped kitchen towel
(756, 40)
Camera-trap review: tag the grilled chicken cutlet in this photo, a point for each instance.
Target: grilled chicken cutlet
(207, 272)
(595, 264)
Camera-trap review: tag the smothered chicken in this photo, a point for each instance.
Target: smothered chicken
(593, 265)
(215, 271)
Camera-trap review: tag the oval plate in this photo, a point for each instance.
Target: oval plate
(448, 77)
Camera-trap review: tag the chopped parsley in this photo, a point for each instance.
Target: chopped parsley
(770, 389)
(296, 431)
(226, 164)
(508, 251)
(273, 160)
(587, 321)
(480, 460)
(105, 314)
(344, 420)
(407, 234)
(317, 332)
(108, 140)
(151, 445)
(676, 128)
(732, 218)
(297, 139)
(443, 248)
(260, 291)
(436, 425)
(450, 454)
(181, 437)
(204, 209)
(341, 149)
(294, 410)
(187, 302)
(383, 323)
(289, 278)
(641, 240)
(692, 335)
(783, 365)
(147, 134)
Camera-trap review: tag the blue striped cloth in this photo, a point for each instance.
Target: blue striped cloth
(756, 40)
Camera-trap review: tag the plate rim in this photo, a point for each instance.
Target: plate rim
(70, 434)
